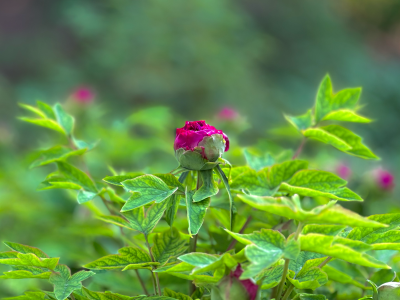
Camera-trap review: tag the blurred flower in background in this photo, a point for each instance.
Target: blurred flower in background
(83, 94)
(343, 170)
(383, 179)
(228, 113)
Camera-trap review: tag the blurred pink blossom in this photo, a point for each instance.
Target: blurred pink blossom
(248, 284)
(228, 113)
(343, 171)
(83, 94)
(384, 179)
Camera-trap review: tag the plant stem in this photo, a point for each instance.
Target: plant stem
(157, 288)
(298, 151)
(328, 259)
(283, 279)
(288, 292)
(233, 243)
(298, 231)
(142, 282)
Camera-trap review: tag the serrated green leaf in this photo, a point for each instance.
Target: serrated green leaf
(253, 183)
(118, 179)
(29, 296)
(64, 283)
(91, 295)
(325, 214)
(55, 154)
(208, 188)
(346, 115)
(196, 212)
(65, 120)
(225, 181)
(207, 262)
(171, 181)
(341, 277)
(310, 278)
(306, 259)
(26, 272)
(145, 222)
(76, 176)
(387, 238)
(168, 245)
(85, 196)
(326, 101)
(352, 139)
(175, 295)
(46, 109)
(336, 248)
(331, 230)
(258, 162)
(128, 256)
(314, 183)
(301, 122)
(326, 137)
(49, 185)
(172, 209)
(31, 260)
(48, 123)
(146, 188)
(270, 277)
(26, 249)
(279, 173)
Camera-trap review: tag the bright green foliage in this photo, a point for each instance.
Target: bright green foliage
(76, 176)
(57, 153)
(324, 214)
(118, 179)
(146, 188)
(342, 277)
(301, 122)
(308, 278)
(26, 272)
(128, 258)
(29, 296)
(196, 211)
(265, 248)
(26, 249)
(340, 248)
(282, 172)
(139, 219)
(258, 162)
(346, 115)
(327, 138)
(387, 238)
(84, 196)
(225, 181)
(64, 283)
(208, 187)
(206, 262)
(175, 295)
(65, 120)
(168, 245)
(30, 260)
(270, 277)
(252, 182)
(303, 296)
(313, 183)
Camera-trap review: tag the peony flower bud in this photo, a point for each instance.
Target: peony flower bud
(198, 143)
(389, 291)
(249, 285)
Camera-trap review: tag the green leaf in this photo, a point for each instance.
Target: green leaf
(30, 260)
(314, 183)
(341, 277)
(65, 120)
(279, 173)
(258, 162)
(308, 278)
(303, 296)
(55, 154)
(327, 101)
(208, 188)
(147, 188)
(301, 122)
(352, 139)
(306, 259)
(340, 248)
(90, 295)
(49, 185)
(26, 272)
(196, 212)
(34, 110)
(84, 196)
(171, 181)
(26, 249)
(145, 222)
(326, 137)
(118, 179)
(128, 258)
(346, 115)
(172, 209)
(64, 283)
(76, 176)
(168, 245)
(175, 295)
(225, 180)
(207, 262)
(48, 123)
(46, 109)
(325, 214)
(332, 230)
(29, 296)
(252, 182)
(387, 238)
(270, 277)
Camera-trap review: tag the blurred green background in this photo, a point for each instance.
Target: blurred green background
(153, 64)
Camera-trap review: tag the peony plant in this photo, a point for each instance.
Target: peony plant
(269, 229)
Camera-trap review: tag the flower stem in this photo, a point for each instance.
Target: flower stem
(283, 279)
(288, 292)
(142, 282)
(156, 280)
(328, 259)
(234, 242)
(298, 151)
